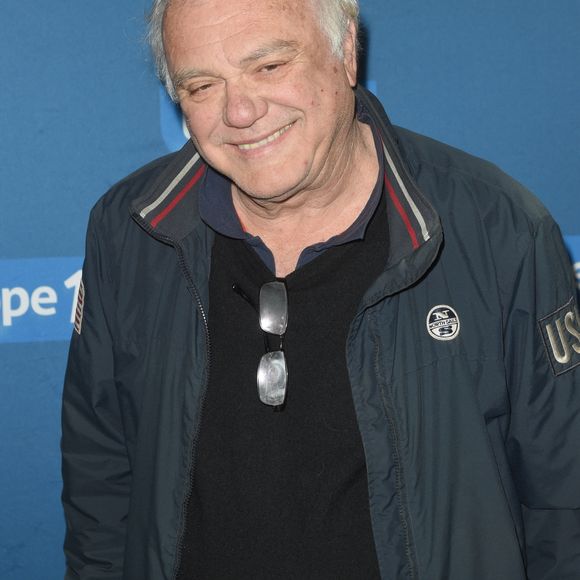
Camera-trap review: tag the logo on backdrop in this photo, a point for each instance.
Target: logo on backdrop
(173, 128)
(38, 298)
(573, 243)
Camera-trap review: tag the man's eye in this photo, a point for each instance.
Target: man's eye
(200, 89)
(271, 67)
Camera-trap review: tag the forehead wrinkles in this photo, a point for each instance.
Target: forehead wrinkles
(192, 25)
(302, 10)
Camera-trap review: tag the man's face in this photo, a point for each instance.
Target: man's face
(266, 102)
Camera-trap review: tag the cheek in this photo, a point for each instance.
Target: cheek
(202, 122)
(300, 94)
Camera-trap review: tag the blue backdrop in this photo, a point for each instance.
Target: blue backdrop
(80, 108)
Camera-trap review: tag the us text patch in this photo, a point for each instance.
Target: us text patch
(561, 333)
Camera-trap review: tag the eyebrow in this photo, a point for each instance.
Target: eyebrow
(184, 75)
(273, 47)
(269, 49)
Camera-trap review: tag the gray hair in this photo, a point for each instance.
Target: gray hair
(334, 18)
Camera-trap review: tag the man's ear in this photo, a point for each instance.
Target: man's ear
(349, 48)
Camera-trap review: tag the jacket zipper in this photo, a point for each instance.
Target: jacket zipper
(195, 437)
(399, 478)
(399, 475)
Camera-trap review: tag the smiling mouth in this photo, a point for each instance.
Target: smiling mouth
(265, 141)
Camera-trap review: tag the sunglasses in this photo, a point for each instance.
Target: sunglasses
(272, 374)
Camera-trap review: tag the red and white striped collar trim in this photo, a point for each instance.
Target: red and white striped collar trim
(167, 191)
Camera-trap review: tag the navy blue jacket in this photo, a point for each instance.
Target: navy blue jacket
(463, 358)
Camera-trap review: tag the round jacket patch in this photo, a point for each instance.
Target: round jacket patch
(443, 322)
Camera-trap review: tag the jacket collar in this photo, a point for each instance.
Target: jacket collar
(168, 209)
(415, 232)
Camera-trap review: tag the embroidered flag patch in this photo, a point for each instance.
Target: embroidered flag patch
(79, 309)
(561, 334)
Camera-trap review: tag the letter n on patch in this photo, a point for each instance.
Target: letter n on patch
(561, 334)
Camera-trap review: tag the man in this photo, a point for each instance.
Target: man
(310, 345)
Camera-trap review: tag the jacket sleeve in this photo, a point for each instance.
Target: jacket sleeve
(542, 358)
(95, 467)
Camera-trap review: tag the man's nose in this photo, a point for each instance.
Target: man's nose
(242, 107)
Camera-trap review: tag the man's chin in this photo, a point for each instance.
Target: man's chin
(266, 190)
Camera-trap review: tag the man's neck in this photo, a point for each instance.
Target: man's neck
(314, 216)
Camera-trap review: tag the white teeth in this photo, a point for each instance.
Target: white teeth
(272, 137)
